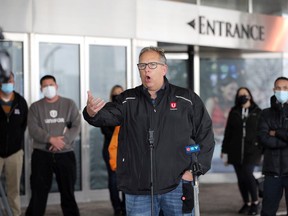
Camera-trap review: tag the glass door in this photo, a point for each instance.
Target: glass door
(61, 57)
(108, 65)
(17, 47)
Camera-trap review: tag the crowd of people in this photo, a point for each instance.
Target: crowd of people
(53, 123)
(259, 137)
(147, 131)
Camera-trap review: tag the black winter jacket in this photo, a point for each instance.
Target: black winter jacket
(178, 119)
(242, 149)
(12, 127)
(275, 147)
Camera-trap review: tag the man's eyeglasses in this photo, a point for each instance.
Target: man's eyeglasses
(151, 65)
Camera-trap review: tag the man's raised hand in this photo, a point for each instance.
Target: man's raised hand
(93, 104)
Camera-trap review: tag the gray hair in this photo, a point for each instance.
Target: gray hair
(159, 50)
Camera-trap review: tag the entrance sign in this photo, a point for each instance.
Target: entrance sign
(213, 27)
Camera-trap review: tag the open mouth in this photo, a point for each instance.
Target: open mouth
(148, 78)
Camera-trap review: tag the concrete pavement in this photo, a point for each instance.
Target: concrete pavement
(217, 199)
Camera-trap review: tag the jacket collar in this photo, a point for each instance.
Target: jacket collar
(275, 104)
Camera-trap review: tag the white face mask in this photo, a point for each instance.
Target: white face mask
(49, 91)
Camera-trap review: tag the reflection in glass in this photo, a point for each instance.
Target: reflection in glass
(107, 67)
(177, 72)
(220, 79)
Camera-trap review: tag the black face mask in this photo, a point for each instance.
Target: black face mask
(242, 100)
(113, 98)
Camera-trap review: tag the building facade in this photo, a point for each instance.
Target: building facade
(213, 47)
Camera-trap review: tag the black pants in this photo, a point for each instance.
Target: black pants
(44, 164)
(246, 182)
(117, 203)
(272, 194)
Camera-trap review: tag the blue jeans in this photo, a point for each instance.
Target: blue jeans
(170, 203)
(272, 194)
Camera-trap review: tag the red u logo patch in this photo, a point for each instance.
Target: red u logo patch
(173, 105)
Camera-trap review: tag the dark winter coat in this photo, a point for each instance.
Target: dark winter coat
(178, 118)
(12, 126)
(275, 147)
(242, 148)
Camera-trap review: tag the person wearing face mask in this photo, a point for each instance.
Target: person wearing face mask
(273, 136)
(53, 123)
(117, 204)
(13, 122)
(241, 149)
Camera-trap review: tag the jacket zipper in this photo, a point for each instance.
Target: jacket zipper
(282, 121)
(243, 140)
(11, 111)
(152, 145)
(244, 120)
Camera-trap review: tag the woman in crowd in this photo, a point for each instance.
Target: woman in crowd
(241, 148)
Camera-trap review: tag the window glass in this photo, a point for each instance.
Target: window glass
(107, 68)
(62, 61)
(227, 4)
(270, 7)
(15, 49)
(177, 72)
(186, 1)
